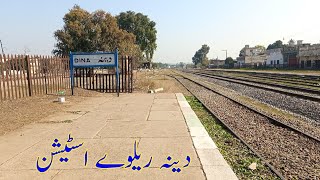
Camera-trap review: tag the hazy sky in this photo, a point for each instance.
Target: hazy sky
(183, 25)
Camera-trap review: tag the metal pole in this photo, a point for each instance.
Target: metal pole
(226, 53)
(45, 75)
(1, 47)
(117, 71)
(28, 75)
(71, 73)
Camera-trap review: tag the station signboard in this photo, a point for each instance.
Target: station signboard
(93, 60)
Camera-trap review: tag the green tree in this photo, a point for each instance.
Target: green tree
(261, 48)
(275, 45)
(143, 28)
(200, 58)
(76, 34)
(181, 65)
(91, 32)
(242, 53)
(229, 62)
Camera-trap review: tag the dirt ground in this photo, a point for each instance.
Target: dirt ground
(15, 114)
(149, 80)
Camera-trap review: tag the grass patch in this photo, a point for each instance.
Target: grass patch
(56, 122)
(238, 156)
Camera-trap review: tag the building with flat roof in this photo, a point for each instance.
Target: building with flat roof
(274, 57)
(309, 56)
(216, 63)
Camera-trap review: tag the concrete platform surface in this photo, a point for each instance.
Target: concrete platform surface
(134, 136)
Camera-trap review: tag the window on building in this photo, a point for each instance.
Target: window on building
(271, 62)
(278, 62)
(309, 63)
(317, 64)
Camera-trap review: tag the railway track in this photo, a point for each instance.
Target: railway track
(293, 81)
(267, 86)
(275, 75)
(288, 136)
(313, 89)
(281, 80)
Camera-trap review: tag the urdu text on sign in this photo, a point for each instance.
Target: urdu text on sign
(94, 60)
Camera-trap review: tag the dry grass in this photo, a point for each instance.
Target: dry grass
(17, 113)
(148, 80)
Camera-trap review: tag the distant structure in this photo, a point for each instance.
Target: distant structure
(216, 63)
(251, 56)
(274, 57)
(295, 54)
(291, 43)
(309, 56)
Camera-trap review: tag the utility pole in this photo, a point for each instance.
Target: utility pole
(1, 47)
(226, 53)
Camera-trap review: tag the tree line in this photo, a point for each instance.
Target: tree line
(134, 34)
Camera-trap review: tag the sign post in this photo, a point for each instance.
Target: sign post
(117, 72)
(90, 60)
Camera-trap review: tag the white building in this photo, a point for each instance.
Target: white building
(274, 57)
(252, 51)
(254, 56)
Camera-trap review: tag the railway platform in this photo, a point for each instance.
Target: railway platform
(134, 136)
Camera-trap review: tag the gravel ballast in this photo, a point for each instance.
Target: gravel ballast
(293, 154)
(303, 107)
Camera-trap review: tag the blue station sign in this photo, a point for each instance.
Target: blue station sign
(93, 60)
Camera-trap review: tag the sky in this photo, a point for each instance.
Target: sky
(183, 25)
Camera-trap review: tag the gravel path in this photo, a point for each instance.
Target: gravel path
(306, 108)
(294, 155)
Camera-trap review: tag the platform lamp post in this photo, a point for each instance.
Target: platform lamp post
(226, 53)
(226, 56)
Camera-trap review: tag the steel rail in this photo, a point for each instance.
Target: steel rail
(288, 80)
(277, 122)
(301, 76)
(271, 119)
(272, 168)
(313, 91)
(302, 96)
(311, 83)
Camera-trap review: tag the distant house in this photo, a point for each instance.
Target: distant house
(290, 53)
(216, 63)
(239, 61)
(294, 55)
(254, 56)
(309, 56)
(275, 58)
